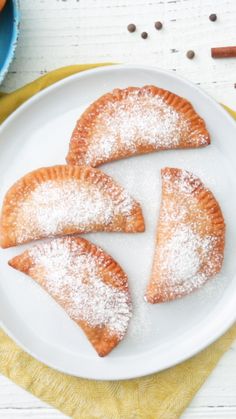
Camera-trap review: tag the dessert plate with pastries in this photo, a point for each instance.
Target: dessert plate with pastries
(117, 226)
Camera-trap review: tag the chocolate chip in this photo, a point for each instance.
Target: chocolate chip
(158, 25)
(190, 54)
(213, 17)
(144, 35)
(131, 27)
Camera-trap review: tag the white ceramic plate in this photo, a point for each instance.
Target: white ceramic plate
(162, 335)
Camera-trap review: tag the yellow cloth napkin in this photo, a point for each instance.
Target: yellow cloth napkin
(162, 395)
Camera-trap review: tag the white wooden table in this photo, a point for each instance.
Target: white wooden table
(60, 32)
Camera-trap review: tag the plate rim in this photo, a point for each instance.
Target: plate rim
(107, 67)
(231, 316)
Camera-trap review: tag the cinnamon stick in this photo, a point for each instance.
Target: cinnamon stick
(223, 52)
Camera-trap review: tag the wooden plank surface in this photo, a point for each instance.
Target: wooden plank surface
(56, 33)
(61, 32)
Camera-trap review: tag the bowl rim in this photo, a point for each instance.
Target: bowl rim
(14, 39)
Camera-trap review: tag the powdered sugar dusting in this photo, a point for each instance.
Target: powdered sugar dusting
(138, 120)
(54, 206)
(182, 257)
(190, 243)
(186, 182)
(75, 277)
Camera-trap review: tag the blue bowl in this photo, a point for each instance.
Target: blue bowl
(9, 29)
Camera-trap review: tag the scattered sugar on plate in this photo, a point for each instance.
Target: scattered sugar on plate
(140, 325)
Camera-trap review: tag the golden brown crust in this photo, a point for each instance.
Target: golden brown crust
(90, 125)
(11, 221)
(186, 203)
(102, 339)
